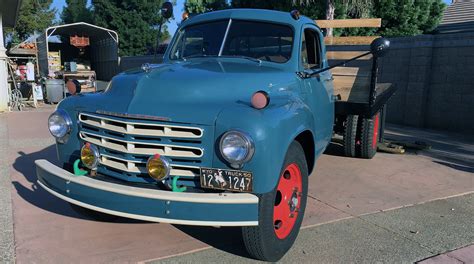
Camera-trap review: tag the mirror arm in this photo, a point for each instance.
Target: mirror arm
(336, 65)
(158, 37)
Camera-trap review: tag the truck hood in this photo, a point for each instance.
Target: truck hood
(187, 92)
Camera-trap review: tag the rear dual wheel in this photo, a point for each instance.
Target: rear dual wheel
(350, 135)
(281, 211)
(361, 136)
(369, 136)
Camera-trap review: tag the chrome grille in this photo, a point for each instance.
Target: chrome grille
(143, 129)
(132, 142)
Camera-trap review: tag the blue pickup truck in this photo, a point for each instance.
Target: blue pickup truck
(225, 132)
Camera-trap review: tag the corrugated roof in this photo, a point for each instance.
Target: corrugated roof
(458, 17)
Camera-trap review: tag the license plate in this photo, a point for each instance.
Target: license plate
(229, 180)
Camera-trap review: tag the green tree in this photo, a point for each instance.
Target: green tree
(201, 6)
(399, 17)
(136, 22)
(33, 16)
(76, 11)
(408, 17)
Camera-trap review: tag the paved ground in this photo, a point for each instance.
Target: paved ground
(47, 230)
(459, 256)
(407, 235)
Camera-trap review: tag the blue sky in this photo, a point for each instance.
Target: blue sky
(178, 10)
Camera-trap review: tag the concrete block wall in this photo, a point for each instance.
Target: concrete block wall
(435, 79)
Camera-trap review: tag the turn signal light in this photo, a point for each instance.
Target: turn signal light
(158, 167)
(184, 16)
(260, 100)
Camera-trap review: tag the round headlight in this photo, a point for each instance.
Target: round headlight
(59, 124)
(236, 147)
(158, 167)
(90, 156)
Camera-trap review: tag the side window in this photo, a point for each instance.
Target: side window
(311, 50)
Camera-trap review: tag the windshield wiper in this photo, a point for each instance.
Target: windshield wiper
(242, 57)
(197, 56)
(223, 56)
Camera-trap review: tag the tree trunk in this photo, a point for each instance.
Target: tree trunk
(330, 10)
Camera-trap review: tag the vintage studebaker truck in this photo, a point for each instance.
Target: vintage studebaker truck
(225, 132)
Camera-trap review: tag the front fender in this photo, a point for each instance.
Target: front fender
(272, 130)
(70, 151)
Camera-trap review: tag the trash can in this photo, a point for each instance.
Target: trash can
(54, 90)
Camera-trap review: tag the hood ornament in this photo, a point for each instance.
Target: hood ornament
(134, 116)
(146, 67)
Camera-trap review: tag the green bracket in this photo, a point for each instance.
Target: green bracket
(77, 170)
(175, 187)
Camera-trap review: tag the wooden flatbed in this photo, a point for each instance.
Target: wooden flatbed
(361, 99)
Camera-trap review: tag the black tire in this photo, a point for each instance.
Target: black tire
(261, 241)
(350, 135)
(369, 136)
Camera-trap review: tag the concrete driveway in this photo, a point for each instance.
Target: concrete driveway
(344, 194)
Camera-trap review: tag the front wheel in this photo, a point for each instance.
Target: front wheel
(281, 211)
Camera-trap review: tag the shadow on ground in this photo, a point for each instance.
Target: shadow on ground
(37, 196)
(225, 238)
(453, 150)
(228, 239)
(335, 148)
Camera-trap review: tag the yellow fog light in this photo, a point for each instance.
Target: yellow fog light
(90, 156)
(158, 167)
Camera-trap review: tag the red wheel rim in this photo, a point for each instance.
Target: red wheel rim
(376, 131)
(287, 201)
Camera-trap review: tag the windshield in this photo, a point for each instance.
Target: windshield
(244, 39)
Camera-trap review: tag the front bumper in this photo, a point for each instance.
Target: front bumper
(203, 209)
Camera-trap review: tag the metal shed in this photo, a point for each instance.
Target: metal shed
(103, 49)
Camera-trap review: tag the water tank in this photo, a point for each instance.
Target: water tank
(54, 90)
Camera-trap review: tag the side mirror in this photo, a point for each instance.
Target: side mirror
(379, 47)
(167, 10)
(324, 31)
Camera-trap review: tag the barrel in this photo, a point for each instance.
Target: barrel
(54, 90)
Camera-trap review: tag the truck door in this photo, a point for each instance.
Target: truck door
(319, 88)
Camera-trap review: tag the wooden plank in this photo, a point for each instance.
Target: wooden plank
(346, 55)
(352, 88)
(349, 40)
(351, 71)
(350, 23)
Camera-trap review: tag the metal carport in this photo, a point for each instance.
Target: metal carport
(103, 47)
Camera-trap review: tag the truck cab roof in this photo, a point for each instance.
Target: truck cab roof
(251, 14)
(258, 15)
